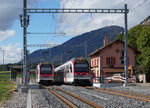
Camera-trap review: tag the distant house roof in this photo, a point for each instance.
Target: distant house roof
(103, 47)
(16, 67)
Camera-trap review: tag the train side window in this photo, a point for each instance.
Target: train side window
(67, 70)
(70, 68)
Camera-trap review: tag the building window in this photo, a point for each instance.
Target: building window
(122, 57)
(122, 53)
(110, 61)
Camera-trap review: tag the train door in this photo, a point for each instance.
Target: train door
(65, 74)
(69, 73)
(62, 75)
(37, 74)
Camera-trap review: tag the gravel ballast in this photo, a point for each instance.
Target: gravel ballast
(41, 98)
(106, 100)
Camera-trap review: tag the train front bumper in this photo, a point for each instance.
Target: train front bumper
(82, 77)
(47, 78)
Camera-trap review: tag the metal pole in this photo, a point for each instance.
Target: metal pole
(25, 42)
(126, 45)
(22, 66)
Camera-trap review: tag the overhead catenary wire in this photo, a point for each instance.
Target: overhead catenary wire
(59, 28)
(46, 33)
(52, 25)
(65, 17)
(131, 11)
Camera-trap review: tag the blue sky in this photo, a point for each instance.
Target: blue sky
(11, 34)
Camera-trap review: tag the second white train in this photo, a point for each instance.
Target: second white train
(74, 71)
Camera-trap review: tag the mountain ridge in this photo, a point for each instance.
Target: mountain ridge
(77, 46)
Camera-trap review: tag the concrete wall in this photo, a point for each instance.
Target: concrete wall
(114, 50)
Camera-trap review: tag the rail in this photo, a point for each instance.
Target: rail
(136, 96)
(73, 95)
(60, 97)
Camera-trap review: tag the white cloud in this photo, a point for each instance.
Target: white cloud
(75, 24)
(10, 11)
(12, 54)
(6, 34)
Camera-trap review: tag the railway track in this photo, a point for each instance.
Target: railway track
(71, 104)
(135, 96)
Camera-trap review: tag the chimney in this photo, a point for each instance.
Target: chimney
(106, 40)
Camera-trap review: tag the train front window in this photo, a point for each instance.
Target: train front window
(46, 70)
(81, 67)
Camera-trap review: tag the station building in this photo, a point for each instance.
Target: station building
(109, 59)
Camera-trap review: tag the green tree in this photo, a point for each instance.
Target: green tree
(139, 38)
(143, 44)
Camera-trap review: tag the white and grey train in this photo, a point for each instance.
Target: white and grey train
(44, 73)
(74, 71)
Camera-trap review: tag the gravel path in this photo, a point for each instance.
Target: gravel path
(18, 100)
(41, 98)
(106, 100)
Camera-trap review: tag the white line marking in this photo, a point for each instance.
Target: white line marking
(95, 95)
(29, 100)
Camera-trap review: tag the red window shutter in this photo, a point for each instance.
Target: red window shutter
(97, 61)
(98, 73)
(107, 60)
(93, 62)
(114, 60)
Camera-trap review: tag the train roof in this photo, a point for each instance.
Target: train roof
(77, 58)
(45, 63)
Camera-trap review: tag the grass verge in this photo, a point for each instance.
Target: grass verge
(6, 90)
(4, 71)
